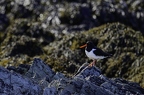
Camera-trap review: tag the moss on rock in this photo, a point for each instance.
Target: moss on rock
(64, 53)
(125, 44)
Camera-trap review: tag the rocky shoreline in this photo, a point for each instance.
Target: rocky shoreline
(40, 79)
(124, 43)
(53, 30)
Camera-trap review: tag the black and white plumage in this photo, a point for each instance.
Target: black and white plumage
(94, 53)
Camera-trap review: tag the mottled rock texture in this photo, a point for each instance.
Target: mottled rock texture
(40, 79)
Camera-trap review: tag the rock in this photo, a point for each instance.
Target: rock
(63, 54)
(22, 68)
(75, 15)
(115, 38)
(12, 83)
(86, 71)
(50, 91)
(40, 70)
(23, 40)
(41, 80)
(53, 28)
(4, 22)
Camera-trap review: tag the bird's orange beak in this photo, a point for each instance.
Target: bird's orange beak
(83, 46)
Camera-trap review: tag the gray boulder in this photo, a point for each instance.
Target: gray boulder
(12, 83)
(42, 80)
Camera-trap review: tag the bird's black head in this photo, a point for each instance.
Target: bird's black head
(90, 46)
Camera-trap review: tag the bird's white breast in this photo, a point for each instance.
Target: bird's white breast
(91, 55)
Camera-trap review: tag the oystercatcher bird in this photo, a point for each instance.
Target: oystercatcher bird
(94, 53)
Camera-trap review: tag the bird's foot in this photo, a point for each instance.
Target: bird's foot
(92, 64)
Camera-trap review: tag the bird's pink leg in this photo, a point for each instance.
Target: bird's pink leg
(93, 63)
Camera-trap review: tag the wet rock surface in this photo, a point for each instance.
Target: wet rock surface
(40, 79)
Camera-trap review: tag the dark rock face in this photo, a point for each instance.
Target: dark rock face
(4, 22)
(29, 48)
(36, 68)
(22, 68)
(12, 83)
(41, 80)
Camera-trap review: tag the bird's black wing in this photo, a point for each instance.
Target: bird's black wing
(99, 52)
